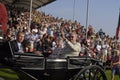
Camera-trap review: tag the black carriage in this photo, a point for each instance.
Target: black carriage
(29, 66)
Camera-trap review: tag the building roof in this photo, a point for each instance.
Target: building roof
(26, 3)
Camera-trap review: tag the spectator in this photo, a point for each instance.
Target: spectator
(115, 63)
(29, 47)
(56, 53)
(98, 49)
(104, 51)
(9, 36)
(46, 45)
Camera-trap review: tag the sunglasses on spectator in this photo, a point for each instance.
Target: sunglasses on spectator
(71, 36)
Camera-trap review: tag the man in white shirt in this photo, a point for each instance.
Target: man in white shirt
(72, 47)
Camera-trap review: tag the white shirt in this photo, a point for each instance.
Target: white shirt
(20, 47)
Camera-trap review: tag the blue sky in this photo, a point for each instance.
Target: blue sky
(102, 13)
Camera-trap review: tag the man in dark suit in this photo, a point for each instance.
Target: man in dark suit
(18, 45)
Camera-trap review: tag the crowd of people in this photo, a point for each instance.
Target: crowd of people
(56, 37)
(46, 29)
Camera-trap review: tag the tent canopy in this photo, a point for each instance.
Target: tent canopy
(26, 3)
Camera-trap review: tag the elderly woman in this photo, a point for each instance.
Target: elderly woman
(56, 53)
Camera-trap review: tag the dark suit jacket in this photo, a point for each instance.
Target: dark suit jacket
(15, 47)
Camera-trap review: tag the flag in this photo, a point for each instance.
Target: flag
(3, 17)
(118, 27)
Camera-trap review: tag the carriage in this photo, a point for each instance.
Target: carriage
(29, 66)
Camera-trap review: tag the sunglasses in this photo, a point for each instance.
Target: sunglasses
(71, 36)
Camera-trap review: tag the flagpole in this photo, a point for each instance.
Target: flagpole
(30, 16)
(119, 21)
(87, 17)
(73, 10)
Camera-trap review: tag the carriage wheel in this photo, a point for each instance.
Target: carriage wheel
(93, 72)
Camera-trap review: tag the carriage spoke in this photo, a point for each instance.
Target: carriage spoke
(91, 73)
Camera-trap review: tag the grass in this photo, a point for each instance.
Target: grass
(8, 74)
(108, 74)
(11, 75)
